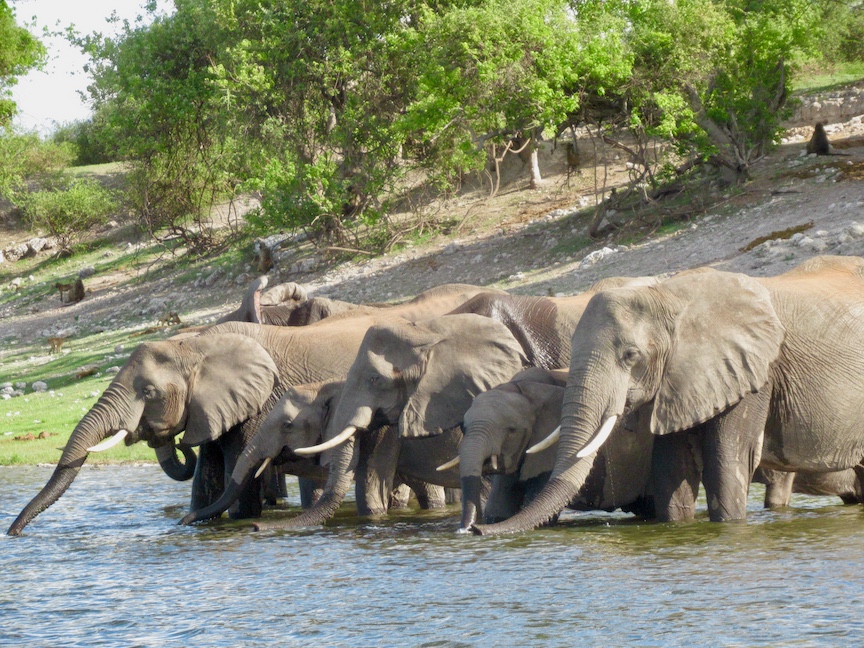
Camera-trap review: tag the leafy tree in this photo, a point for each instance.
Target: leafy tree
(25, 157)
(20, 51)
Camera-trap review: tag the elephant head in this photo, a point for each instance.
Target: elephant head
(276, 306)
(419, 376)
(686, 350)
(296, 421)
(163, 389)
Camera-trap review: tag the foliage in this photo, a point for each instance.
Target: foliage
(20, 51)
(69, 208)
(91, 138)
(25, 156)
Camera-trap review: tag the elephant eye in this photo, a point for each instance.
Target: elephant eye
(150, 393)
(631, 356)
(373, 380)
(287, 425)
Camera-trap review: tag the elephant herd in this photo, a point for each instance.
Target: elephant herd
(706, 377)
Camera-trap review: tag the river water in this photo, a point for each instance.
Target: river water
(108, 566)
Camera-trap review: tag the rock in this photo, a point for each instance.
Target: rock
(86, 271)
(2, 258)
(112, 370)
(210, 281)
(35, 245)
(595, 257)
(16, 252)
(40, 386)
(855, 230)
(119, 348)
(20, 385)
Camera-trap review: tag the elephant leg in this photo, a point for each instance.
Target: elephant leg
(273, 485)
(400, 495)
(248, 504)
(505, 498)
(376, 470)
(429, 496)
(859, 482)
(452, 496)
(208, 482)
(778, 490)
(731, 451)
(675, 471)
(310, 491)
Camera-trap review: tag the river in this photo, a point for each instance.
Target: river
(107, 565)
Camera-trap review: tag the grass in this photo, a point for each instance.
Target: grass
(828, 77)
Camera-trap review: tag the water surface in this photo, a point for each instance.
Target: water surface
(108, 566)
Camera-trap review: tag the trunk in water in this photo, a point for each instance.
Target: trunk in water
(472, 505)
(473, 452)
(171, 464)
(341, 474)
(100, 422)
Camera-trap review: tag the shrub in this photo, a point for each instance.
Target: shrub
(69, 209)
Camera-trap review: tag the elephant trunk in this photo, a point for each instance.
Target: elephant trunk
(171, 464)
(101, 421)
(339, 478)
(582, 424)
(474, 450)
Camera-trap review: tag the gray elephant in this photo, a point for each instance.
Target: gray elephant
(215, 388)
(504, 422)
(419, 378)
(722, 364)
(779, 485)
(299, 419)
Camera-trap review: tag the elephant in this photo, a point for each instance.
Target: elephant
(779, 485)
(729, 370)
(504, 421)
(543, 325)
(299, 419)
(289, 305)
(418, 378)
(215, 388)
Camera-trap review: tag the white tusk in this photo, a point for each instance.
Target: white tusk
(447, 466)
(598, 440)
(342, 437)
(109, 442)
(494, 461)
(264, 465)
(545, 443)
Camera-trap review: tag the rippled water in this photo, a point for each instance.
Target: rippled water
(108, 566)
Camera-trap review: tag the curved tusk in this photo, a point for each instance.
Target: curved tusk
(342, 437)
(264, 465)
(493, 460)
(447, 466)
(110, 442)
(598, 440)
(545, 443)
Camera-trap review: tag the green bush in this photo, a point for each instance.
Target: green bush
(69, 209)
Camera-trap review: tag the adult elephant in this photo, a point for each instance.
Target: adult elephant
(505, 421)
(299, 419)
(215, 388)
(419, 377)
(717, 358)
(779, 485)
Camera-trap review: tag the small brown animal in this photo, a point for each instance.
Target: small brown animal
(819, 143)
(63, 287)
(572, 160)
(265, 258)
(56, 344)
(169, 318)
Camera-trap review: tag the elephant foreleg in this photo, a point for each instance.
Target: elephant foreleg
(429, 496)
(310, 491)
(675, 472)
(248, 504)
(731, 451)
(208, 482)
(273, 485)
(376, 470)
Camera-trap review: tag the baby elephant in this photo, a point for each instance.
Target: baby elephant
(505, 421)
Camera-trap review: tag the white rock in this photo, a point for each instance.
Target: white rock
(855, 230)
(39, 386)
(595, 257)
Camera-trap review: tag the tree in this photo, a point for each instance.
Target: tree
(20, 52)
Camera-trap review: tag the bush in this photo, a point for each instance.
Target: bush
(69, 209)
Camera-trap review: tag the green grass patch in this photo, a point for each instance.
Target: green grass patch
(572, 245)
(828, 76)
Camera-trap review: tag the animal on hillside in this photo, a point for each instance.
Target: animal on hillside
(819, 143)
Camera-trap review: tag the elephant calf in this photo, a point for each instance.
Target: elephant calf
(505, 421)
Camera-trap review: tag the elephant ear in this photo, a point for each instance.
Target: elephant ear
(233, 380)
(726, 334)
(473, 354)
(545, 401)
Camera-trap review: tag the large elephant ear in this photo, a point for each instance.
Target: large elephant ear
(726, 334)
(231, 383)
(473, 354)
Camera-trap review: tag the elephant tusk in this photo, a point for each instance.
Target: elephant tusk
(599, 439)
(342, 437)
(447, 466)
(545, 443)
(264, 465)
(109, 442)
(493, 460)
